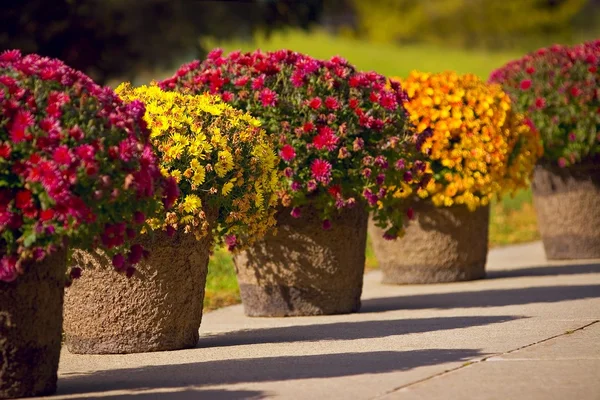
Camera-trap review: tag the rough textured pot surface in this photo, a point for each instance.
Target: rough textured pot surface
(158, 309)
(442, 244)
(567, 203)
(304, 269)
(31, 310)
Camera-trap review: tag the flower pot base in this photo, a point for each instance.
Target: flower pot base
(568, 211)
(304, 269)
(285, 301)
(442, 244)
(158, 309)
(421, 274)
(30, 329)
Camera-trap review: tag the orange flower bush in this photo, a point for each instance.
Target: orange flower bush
(477, 147)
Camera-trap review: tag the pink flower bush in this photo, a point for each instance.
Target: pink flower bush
(559, 89)
(333, 126)
(77, 165)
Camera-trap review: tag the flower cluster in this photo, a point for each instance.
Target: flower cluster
(220, 158)
(558, 88)
(342, 135)
(76, 164)
(476, 145)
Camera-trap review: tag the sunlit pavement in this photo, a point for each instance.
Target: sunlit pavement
(530, 330)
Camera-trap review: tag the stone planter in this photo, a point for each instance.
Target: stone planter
(442, 244)
(31, 314)
(567, 203)
(158, 309)
(304, 269)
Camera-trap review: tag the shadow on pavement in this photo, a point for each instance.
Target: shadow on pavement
(347, 330)
(483, 298)
(267, 369)
(187, 394)
(547, 270)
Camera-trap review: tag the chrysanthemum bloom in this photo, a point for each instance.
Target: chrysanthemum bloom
(325, 117)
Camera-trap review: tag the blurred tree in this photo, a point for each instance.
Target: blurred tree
(483, 23)
(118, 38)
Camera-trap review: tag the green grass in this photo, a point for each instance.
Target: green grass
(512, 219)
(221, 283)
(387, 59)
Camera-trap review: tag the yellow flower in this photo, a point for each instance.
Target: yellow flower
(479, 148)
(205, 144)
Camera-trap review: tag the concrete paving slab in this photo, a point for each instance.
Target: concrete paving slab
(410, 337)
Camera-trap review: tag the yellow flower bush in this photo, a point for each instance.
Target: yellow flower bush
(476, 146)
(221, 159)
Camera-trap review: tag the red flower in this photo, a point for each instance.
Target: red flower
(227, 96)
(575, 91)
(308, 127)
(525, 84)
(335, 190)
(331, 103)
(540, 102)
(321, 170)
(62, 155)
(268, 97)
(315, 103)
(325, 139)
(353, 103)
(46, 215)
(530, 70)
(23, 199)
(287, 153)
(5, 150)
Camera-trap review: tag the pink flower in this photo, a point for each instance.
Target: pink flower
(227, 96)
(230, 242)
(326, 224)
(268, 97)
(296, 213)
(287, 153)
(572, 137)
(241, 81)
(311, 185)
(8, 269)
(325, 139)
(296, 186)
(525, 84)
(562, 162)
(321, 170)
(258, 83)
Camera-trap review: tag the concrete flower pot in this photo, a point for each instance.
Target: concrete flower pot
(158, 309)
(567, 203)
(442, 244)
(31, 315)
(304, 269)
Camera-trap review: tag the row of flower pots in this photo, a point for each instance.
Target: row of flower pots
(284, 168)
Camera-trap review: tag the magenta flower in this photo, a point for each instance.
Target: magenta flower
(268, 98)
(325, 139)
(287, 153)
(296, 213)
(321, 170)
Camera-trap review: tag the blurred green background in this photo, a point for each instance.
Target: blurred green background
(142, 40)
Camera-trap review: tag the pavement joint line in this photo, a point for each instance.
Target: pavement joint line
(483, 359)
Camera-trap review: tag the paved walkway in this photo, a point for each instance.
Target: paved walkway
(531, 330)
